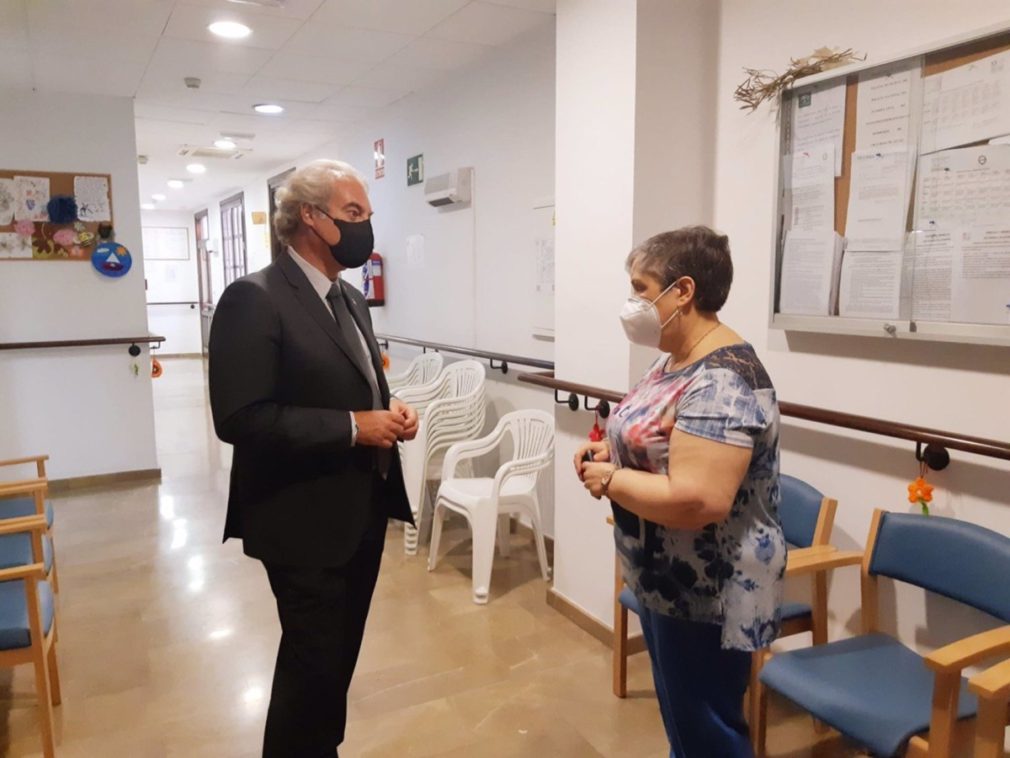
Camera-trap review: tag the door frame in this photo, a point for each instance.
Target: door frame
(273, 183)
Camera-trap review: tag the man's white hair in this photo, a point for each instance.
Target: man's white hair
(311, 184)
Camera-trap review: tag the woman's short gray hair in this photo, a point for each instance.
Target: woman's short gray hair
(694, 251)
(311, 184)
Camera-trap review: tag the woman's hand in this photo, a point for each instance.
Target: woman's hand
(599, 450)
(593, 475)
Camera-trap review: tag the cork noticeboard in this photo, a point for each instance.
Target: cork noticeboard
(926, 63)
(27, 232)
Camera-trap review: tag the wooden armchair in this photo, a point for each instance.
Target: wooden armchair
(992, 688)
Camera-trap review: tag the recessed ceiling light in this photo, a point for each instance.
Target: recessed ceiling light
(229, 29)
(196, 168)
(158, 198)
(269, 108)
(176, 183)
(224, 143)
(147, 206)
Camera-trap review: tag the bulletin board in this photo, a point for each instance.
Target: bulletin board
(26, 230)
(907, 234)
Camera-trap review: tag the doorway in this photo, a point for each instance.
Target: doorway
(202, 226)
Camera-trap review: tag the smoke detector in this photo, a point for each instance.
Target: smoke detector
(192, 82)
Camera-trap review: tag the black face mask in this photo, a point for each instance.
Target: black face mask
(357, 241)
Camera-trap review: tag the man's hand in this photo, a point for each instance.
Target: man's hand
(380, 428)
(409, 416)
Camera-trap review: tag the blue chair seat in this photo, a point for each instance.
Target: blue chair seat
(16, 550)
(872, 689)
(15, 633)
(15, 507)
(789, 610)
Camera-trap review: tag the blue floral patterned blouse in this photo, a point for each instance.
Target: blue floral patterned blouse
(729, 573)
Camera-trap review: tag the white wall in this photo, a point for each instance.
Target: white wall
(83, 406)
(173, 281)
(960, 388)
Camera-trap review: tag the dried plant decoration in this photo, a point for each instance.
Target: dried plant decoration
(762, 85)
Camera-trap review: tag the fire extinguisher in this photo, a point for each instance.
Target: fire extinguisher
(373, 284)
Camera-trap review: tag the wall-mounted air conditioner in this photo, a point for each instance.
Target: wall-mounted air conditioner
(449, 189)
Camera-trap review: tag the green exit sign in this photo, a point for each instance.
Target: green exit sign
(415, 170)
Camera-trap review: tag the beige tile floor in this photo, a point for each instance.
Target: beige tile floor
(167, 638)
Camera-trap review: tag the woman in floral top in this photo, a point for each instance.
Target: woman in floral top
(691, 468)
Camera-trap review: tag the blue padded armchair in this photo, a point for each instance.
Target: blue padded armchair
(874, 690)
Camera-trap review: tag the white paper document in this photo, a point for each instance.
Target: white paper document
(932, 267)
(812, 193)
(879, 196)
(13, 245)
(92, 195)
(966, 104)
(884, 106)
(963, 188)
(8, 200)
(811, 263)
(870, 285)
(31, 198)
(981, 286)
(818, 116)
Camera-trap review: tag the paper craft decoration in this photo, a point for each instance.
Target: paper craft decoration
(111, 259)
(7, 201)
(92, 194)
(32, 195)
(14, 246)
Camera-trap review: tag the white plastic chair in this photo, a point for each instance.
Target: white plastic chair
(423, 369)
(488, 504)
(451, 409)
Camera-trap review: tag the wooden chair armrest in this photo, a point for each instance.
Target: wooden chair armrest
(969, 651)
(23, 524)
(32, 570)
(811, 560)
(27, 459)
(23, 487)
(993, 683)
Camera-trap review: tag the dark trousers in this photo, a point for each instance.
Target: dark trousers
(322, 613)
(700, 687)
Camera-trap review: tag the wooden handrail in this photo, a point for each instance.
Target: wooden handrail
(487, 355)
(146, 339)
(919, 434)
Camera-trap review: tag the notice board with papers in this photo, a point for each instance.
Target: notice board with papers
(892, 211)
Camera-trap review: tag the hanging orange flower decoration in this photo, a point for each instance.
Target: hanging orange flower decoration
(385, 361)
(921, 492)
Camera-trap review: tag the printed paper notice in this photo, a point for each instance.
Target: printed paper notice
(981, 288)
(7, 201)
(809, 264)
(31, 198)
(963, 188)
(879, 196)
(818, 116)
(966, 104)
(545, 265)
(883, 109)
(13, 245)
(870, 284)
(812, 197)
(92, 195)
(932, 268)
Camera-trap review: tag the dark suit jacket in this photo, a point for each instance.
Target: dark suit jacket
(282, 380)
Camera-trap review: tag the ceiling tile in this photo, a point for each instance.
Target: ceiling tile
(414, 17)
(189, 58)
(145, 17)
(268, 88)
(488, 24)
(439, 54)
(329, 41)
(404, 78)
(86, 76)
(170, 115)
(13, 26)
(15, 69)
(366, 97)
(117, 44)
(290, 64)
(291, 8)
(167, 84)
(342, 114)
(544, 6)
(191, 21)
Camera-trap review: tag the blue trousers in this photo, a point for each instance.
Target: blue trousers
(700, 687)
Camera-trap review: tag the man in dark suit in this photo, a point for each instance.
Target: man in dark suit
(296, 385)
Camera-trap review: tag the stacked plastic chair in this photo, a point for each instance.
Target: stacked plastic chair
(451, 410)
(488, 504)
(424, 369)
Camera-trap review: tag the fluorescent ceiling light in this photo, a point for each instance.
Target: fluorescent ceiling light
(229, 29)
(196, 168)
(176, 183)
(158, 197)
(224, 143)
(268, 108)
